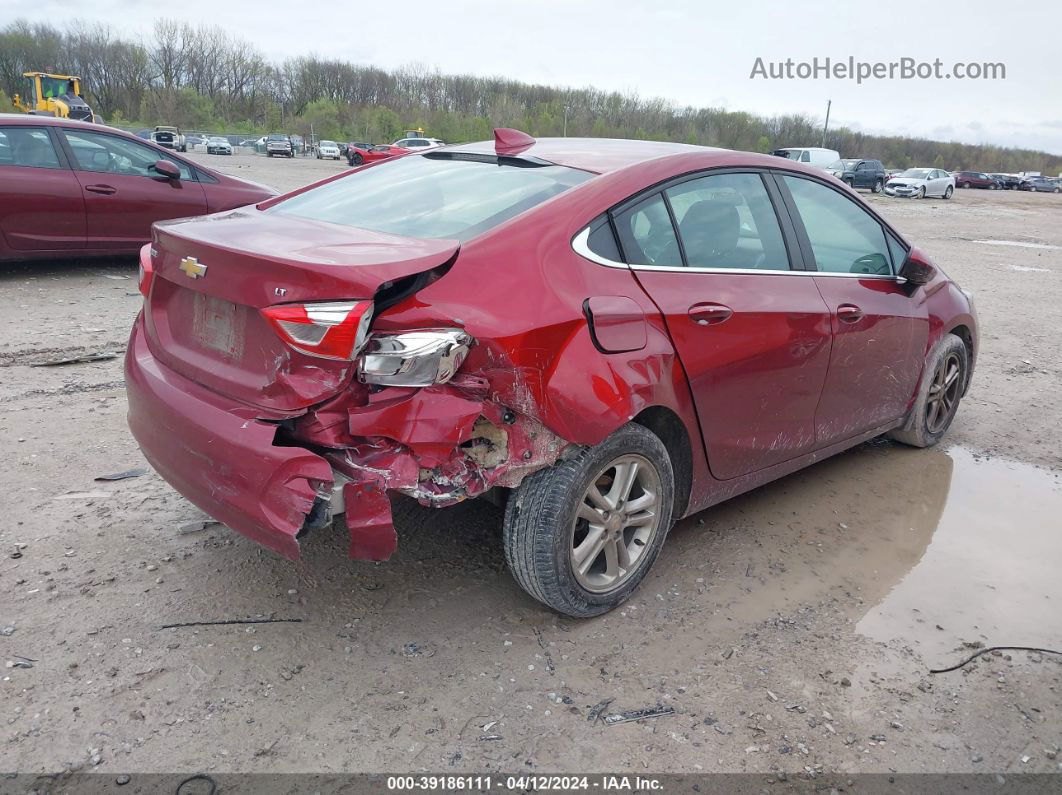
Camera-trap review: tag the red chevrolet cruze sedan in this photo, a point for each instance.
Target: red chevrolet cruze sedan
(70, 188)
(611, 335)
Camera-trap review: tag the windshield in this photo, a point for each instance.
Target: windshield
(219, 140)
(429, 196)
(55, 87)
(792, 154)
(328, 143)
(916, 173)
(277, 138)
(843, 165)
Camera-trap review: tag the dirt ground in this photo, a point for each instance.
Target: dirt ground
(791, 629)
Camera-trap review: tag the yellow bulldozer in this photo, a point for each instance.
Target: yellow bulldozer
(54, 95)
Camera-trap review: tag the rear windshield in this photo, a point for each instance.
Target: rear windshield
(428, 196)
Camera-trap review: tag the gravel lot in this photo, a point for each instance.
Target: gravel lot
(791, 629)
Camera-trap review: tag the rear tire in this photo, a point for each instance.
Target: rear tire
(943, 384)
(877, 187)
(577, 537)
(948, 192)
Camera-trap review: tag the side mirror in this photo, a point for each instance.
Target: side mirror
(166, 168)
(917, 269)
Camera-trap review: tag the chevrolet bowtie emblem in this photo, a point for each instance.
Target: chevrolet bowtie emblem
(192, 269)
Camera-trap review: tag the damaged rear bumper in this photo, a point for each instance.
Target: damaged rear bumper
(219, 453)
(439, 445)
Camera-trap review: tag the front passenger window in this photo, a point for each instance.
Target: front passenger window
(95, 151)
(844, 237)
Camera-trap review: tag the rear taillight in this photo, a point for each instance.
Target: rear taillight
(334, 330)
(147, 270)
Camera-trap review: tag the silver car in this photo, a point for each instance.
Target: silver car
(217, 145)
(921, 182)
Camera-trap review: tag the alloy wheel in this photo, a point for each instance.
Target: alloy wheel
(615, 524)
(943, 393)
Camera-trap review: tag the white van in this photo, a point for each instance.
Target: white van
(812, 155)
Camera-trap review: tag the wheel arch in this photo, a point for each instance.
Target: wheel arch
(963, 332)
(669, 429)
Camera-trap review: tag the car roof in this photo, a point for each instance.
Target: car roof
(599, 155)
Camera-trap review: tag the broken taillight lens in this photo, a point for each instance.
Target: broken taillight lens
(333, 330)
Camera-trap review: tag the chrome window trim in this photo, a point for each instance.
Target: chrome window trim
(580, 245)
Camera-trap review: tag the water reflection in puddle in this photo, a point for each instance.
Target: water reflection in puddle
(991, 539)
(899, 539)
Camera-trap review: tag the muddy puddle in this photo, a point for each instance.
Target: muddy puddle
(991, 539)
(927, 548)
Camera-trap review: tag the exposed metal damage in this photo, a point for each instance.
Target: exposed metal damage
(439, 445)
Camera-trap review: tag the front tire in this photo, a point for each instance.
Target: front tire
(581, 535)
(942, 387)
(922, 192)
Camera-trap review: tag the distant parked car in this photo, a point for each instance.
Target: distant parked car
(921, 182)
(279, 145)
(1007, 181)
(191, 141)
(419, 143)
(1040, 184)
(976, 179)
(169, 138)
(327, 150)
(811, 155)
(859, 173)
(217, 145)
(356, 155)
(71, 188)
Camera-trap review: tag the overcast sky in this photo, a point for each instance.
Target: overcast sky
(689, 52)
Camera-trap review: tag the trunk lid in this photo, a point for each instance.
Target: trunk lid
(203, 320)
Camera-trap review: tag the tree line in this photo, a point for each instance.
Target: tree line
(203, 78)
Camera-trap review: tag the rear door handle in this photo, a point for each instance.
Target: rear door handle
(709, 314)
(849, 313)
(106, 190)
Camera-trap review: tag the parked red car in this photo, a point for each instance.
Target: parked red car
(73, 188)
(358, 155)
(976, 179)
(610, 335)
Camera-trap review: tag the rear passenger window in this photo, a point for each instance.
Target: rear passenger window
(27, 146)
(728, 221)
(602, 242)
(844, 237)
(646, 234)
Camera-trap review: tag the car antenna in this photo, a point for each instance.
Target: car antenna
(508, 141)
